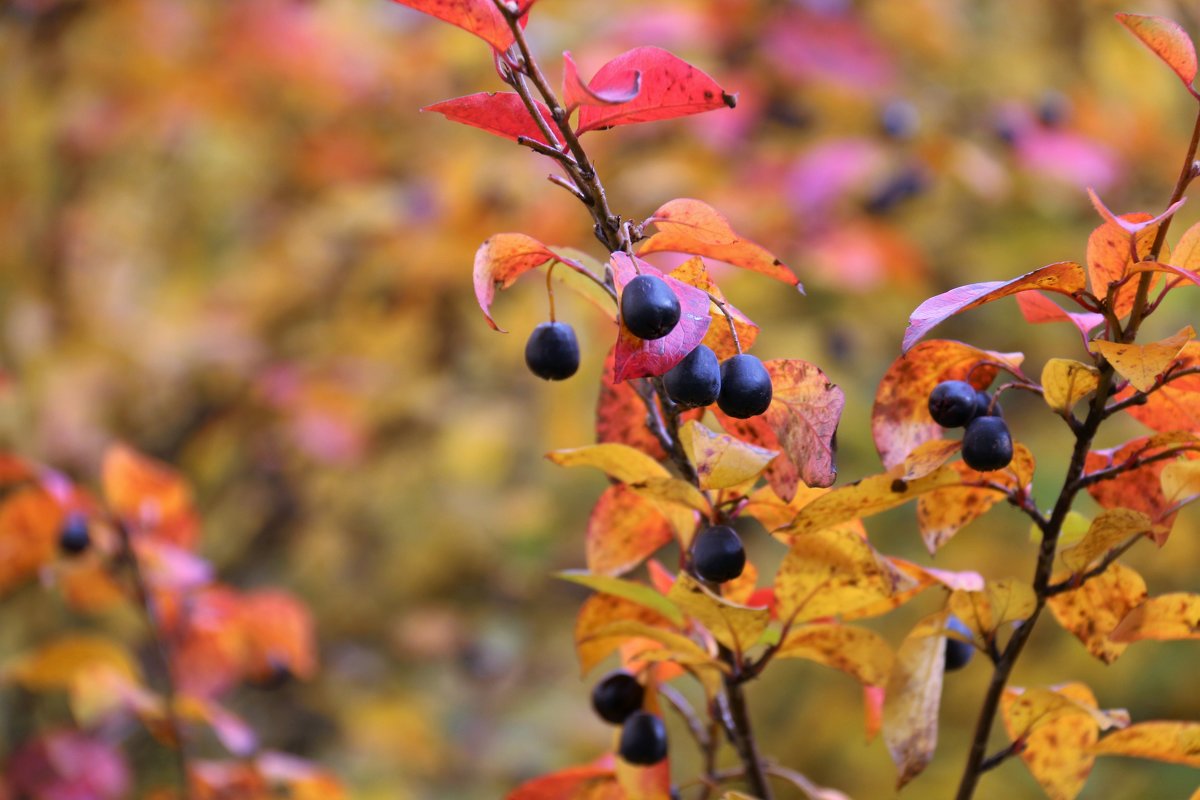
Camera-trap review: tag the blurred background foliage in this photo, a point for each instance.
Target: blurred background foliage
(228, 237)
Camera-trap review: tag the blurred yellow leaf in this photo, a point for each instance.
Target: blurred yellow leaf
(913, 695)
(1172, 742)
(1141, 364)
(859, 652)
(1163, 618)
(1065, 382)
(1108, 530)
(736, 626)
(639, 593)
(619, 461)
(832, 572)
(1181, 481)
(722, 461)
(56, 665)
(599, 611)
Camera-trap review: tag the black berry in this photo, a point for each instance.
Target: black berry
(717, 554)
(74, 537)
(987, 444)
(643, 739)
(952, 403)
(616, 696)
(649, 309)
(984, 407)
(899, 119)
(1053, 109)
(552, 351)
(958, 653)
(745, 387)
(695, 381)
(901, 187)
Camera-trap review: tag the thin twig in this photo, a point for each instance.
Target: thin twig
(1076, 582)
(719, 303)
(1000, 756)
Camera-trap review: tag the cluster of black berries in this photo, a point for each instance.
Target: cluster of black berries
(741, 386)
(618, 699)
(986, 444)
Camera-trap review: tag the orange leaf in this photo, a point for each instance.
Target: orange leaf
(623, 529)
(831, 572)
(1175, 406)
(502, 259)
(57, 664)
(859, 652)
(591, 782)
(1166, 40)
(279, 635)
(149, 496)
(29, 523)
(601, 610)
(718, 337)
(900, 418)
(942, 513)
(1171, 742)
(1165, 618)
(1109, 257)
(1093, 611)
(1058, 752)
(1141, 364)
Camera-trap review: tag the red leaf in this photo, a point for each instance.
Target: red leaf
(1065, 277)
(670, 87)
(690, 226)
(480, 17)
(577, 93)
(502, 259)
(1167, 40)
(800, 423)
(621, 415)
(1037, 308)
(639, 358)
(67, 764)
(623, 529)
(1139, 489)
(501, 113)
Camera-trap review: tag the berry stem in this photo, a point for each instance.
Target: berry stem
(550, 287)
(720, 303)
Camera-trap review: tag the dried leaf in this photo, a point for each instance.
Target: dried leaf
(914, 693)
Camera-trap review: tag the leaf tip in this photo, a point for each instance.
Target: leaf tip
(730, 100)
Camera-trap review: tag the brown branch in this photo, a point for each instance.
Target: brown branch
(999, 757)
(1130, 464)
(1110, 558)
(1139, 398)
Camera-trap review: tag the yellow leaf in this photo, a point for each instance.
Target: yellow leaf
(1066, 382)
(869, 496)
(914, 692)
(56, 665)
(722, 461)
(928, 456)
(1181, 481)
(859, 652)
(1075, 526)
(601, 610)
(833, 572)
(676, 647)
(736, 626)
(943, 512)
(1093, 611)
(1108, 530)
(1058, 753)
(644, 782)
(1026, 710)
(619, 461)
(1164, 618)
(1141, 364)
(630, 590)
(1172, 742)
(1007, 600)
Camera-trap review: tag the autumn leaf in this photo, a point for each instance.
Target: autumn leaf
(928, 457)
(1109, 258)
(690, 226)
(1065, 277)
(629, 590)
(718, 338)
(1168, 617)
(622, 531)
(1108, 530)
(621, 88)
(828, 573)
(149, 496)
(480, 17)
(55, 665)
(868, 496)
(1176, 405)
(1140, 364)
(738, 627)
(1166, 40)
(601, 611)
(859, 652)
(900, 418)
(618, 461)
(1181, 482)
(502, 259)
(1002, 601)
(913, 695)
(640, 358)
(1039, 309)
(280, 634)
(500, 113)
(1092, 612)
(590, 782)
(670, 87)
(30, 520)
(943, 512)
(1170, 742)
(1139, 488)
(1058, 750)
(722, 461)
(1066, 382)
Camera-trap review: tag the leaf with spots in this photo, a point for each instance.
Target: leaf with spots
(1166, 618)
(1175, 405)
(859, 652)
(828, 573)
(1066, 277)
(1001, 602)
(722, 461)
(1065, 382)
(736, 626)
(1142, 364)
(641, 358)
(942, 513)
(622, 531)
(690, 226)
(1111, 528)
(480, 17)
(1170, 742)
(670, 87)
(900, 419)
(1058, 752)
(1139, 488)
(600, 611)
(1166, 40)
(1092, 612)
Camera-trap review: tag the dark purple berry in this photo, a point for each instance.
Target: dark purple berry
(717, 554)
(745, 387)
(984, 407)
(552, 351)
(695, 381)
(952, 403)
(643, 739)
(649, 309)
(958, 653)
(987, 444)
(74, 537)
(616, 696)
(899, 119)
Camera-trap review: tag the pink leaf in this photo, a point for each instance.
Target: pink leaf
(670, 87)
(1065, 277)
(1167, 40)
(1037, 308)
(502, 259)
(501, 113)
(480, 17)
(640, 358)
(576, 93)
